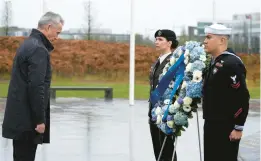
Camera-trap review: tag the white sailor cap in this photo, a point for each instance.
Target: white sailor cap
(218, 29)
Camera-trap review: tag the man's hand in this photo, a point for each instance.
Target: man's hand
(40, 128)
(235, 135)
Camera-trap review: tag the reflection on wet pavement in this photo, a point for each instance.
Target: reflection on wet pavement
(95, 130)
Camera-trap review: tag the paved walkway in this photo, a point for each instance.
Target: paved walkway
(94, 130)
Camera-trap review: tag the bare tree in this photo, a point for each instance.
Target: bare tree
(88, 17)
(7, 16)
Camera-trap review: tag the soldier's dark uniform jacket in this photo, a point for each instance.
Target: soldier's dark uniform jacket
(28, 95)
(226, 96)
(155, 71)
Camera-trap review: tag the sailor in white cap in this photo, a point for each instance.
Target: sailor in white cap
(225, 97)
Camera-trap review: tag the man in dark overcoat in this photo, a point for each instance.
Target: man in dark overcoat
(27, 113)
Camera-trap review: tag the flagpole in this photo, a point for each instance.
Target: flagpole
(132, 57)
(132, 79)
(214, 11)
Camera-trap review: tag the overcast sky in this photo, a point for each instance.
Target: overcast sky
(150, 15)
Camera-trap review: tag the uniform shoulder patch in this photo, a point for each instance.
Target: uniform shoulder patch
(235, 83)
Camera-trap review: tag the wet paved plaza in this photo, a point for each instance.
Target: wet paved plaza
(96, 130)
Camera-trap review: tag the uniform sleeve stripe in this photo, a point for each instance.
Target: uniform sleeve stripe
(238, 112)
(236, 85)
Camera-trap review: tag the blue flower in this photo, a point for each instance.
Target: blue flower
(173, 109)
(164, 108)
(195, 53)
(182, 93)
(170, 117)
(180, 118)
(191, 44)
(188, 76)
(163, 127)
(194, 89)
(180, 100)
(153, 114)
(154, 118)
(197, 65)
(176, 52)
(168, 130)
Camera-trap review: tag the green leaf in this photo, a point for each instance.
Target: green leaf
(186, 125)
(190, 115)
(178, 133)
(194, 110)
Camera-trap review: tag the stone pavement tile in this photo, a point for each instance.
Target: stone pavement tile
(250, 148)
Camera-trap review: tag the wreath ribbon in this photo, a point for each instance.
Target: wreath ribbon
(177, 70)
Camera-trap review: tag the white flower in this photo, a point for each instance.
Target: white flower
(186, 53)
(187, 108)
(170, 123)
(171, 108)
(174, 108)
(159, 119)
(188, 67)
(172, 60)
(171, 84)
(158, 111)
(176, 104)
(180, 53)
(184, 85)
(166, 101)
(197, 76)
(187, 100)
(164, 108)
(202, 57)
(186, 60)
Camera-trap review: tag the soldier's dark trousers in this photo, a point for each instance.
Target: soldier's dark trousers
(217, 145)
(24, 150)
(157, 140)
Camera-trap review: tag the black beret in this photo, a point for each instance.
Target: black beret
(168, 34)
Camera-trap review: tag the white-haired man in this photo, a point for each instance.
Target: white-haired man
(225, 97)
(27, 113)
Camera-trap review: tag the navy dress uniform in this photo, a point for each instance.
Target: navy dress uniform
(225, 104)
(157, 136)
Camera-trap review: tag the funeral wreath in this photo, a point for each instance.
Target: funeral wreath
(179, 99)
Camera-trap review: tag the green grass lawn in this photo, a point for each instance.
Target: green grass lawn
(120, 90)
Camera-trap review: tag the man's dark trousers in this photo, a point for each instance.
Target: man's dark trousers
(24, 150)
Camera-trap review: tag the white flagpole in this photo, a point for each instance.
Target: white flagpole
(132, 56)
(214, 11)
(132, 78)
